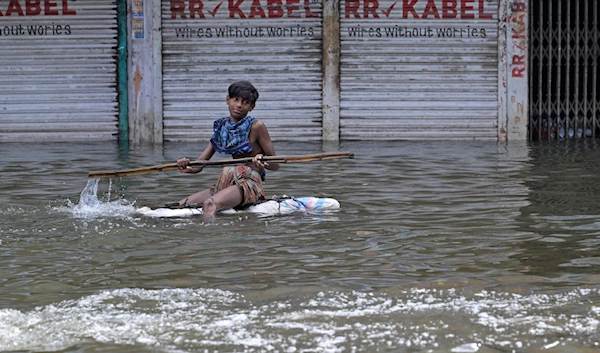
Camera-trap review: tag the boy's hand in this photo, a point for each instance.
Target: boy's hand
(184, 167)
(257, 161)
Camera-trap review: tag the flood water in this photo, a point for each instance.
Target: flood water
(438, 247)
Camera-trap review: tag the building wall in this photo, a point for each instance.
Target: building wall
(325, 69)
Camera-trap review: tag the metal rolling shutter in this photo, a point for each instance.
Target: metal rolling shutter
(409, 73)
(59, 71)
(204, 54)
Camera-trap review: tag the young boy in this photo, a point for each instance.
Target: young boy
(241, 136)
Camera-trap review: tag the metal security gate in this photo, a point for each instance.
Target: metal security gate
(208, 45)
(419, 69)
(564, 76)
(58, 64)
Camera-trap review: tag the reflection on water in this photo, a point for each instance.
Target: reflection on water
(449, 246)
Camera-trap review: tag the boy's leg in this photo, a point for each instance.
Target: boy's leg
(196, 199)
(229, 197)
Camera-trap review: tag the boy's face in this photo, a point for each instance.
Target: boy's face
(239, 107)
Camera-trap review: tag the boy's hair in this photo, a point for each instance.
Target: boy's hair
(243, 89)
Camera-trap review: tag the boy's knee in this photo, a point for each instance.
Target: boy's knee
(209, 207)
(209, 203)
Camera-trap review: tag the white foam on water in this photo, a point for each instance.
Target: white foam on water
(14, 211)
(195, 319)
(467, 348)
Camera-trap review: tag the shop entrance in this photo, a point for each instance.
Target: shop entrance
(564, 77)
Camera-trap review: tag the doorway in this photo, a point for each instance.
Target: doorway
(564, 78)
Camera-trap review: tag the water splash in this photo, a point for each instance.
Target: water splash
(89, 195)
(91, 207)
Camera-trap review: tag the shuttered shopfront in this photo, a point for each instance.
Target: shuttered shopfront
(207, 45)
(59, 70)
(419, 69)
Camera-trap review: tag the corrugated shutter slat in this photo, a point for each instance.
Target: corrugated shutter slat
(62, 84)
(286, 70)
(423, 86)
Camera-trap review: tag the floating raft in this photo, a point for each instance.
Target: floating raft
(272, 207)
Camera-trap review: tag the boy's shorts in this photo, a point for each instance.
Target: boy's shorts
(247, 179)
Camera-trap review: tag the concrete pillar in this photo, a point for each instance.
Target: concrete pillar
(517, 69)
(145, 72)
(331, 70)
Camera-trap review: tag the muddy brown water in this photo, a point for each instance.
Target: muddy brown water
(438, 247)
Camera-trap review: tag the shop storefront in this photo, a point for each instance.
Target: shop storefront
(59, 70)
(207, 45)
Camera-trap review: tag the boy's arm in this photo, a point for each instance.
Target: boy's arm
(208, 152)
(264, 140)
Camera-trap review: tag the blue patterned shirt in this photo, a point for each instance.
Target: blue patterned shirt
(232, 137)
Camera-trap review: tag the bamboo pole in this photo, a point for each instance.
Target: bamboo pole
(238, 161)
